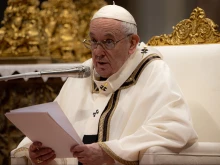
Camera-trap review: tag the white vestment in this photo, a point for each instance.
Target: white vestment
(138, 107)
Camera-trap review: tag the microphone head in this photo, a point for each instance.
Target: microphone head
(75, 72)
(86, 71)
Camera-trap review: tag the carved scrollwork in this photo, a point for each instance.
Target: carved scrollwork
(196, 30)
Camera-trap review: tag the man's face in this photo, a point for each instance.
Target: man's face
(107, 62)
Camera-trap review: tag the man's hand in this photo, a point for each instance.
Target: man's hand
(91, 154)
(41, 155)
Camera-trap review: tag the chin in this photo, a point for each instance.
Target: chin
(103, 74)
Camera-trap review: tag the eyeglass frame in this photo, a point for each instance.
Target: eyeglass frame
(88, 43)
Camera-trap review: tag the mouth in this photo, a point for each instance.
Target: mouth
(101, 63)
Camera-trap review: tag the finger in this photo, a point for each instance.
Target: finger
(46, 156)
(73, 148)
(43, 160)
(78, 148)
(49, 160)
(77, 154)
(42, 152)
(35, 146)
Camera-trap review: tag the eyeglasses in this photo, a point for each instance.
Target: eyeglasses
(106, 44)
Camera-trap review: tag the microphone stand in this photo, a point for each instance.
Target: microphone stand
(76, 72)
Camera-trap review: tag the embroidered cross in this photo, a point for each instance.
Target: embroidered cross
(96, 112)
(144, 50)
(102, 87)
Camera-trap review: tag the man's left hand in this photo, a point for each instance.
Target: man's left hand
(91, 154)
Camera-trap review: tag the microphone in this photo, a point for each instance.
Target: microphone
(76, 72)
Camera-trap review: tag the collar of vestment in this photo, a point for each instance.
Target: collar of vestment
(115, 81)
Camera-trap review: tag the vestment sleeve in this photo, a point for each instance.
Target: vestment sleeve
(22, 151)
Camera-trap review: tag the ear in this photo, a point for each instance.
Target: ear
(134, 40)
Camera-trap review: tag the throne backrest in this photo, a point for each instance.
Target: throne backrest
(192, 51)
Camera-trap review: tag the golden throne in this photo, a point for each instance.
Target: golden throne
(192, 51)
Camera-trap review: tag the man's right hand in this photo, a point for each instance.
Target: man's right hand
(41, 155)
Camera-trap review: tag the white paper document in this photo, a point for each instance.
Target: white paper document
(48, 124)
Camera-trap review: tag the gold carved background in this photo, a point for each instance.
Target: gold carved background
(22, 34)
(52, 31)
(196, 30)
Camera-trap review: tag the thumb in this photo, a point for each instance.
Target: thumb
(35, 146)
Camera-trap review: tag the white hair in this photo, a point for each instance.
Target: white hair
(129, 28)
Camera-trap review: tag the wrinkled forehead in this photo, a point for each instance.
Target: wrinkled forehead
(106, 26)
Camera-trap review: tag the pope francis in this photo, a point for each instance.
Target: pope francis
(129, 103)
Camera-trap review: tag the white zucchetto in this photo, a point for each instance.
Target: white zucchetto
(115, 12)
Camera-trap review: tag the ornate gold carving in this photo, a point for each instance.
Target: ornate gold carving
(196, 30)
(60, 21)
(66, 23)
(22, 34)
(57, 30)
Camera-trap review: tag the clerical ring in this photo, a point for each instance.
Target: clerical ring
(39, 161)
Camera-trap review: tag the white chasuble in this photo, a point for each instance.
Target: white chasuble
(138, 107)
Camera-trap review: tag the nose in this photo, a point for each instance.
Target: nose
(98, 50)
(99, 45)
(98, 53)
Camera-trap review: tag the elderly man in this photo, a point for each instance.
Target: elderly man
(129, 103)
